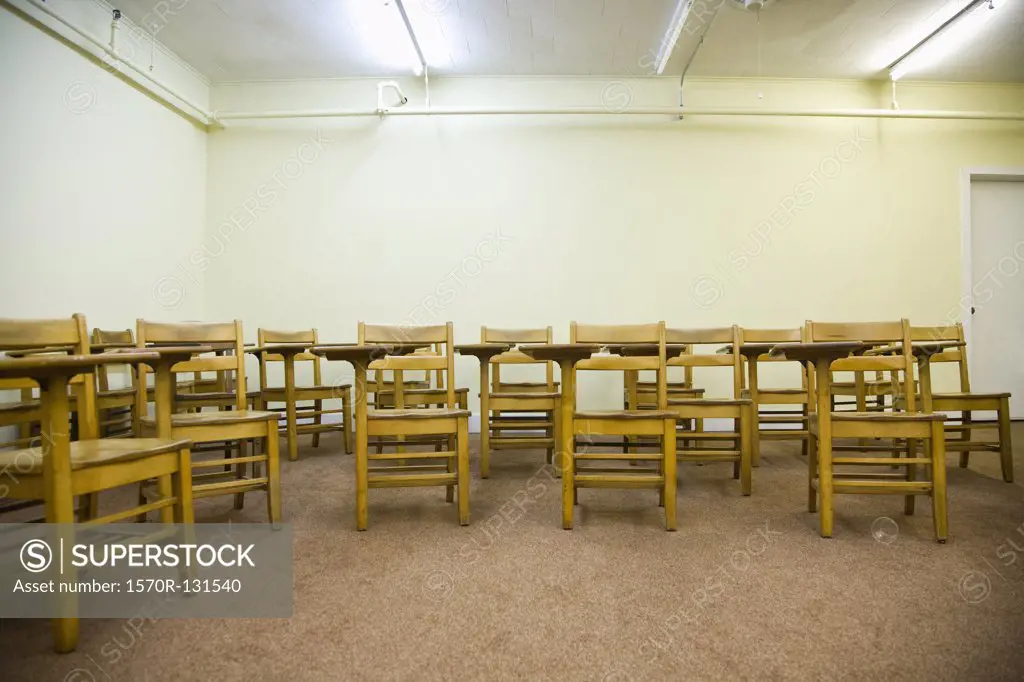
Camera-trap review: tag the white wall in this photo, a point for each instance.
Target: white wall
(102, 186)
(702, 222)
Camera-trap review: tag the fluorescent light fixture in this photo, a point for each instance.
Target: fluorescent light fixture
(668, 43)
(384, 35)
(947, 37)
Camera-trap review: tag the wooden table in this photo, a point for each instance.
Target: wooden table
(566, 355)
(53, 373)
(752, 351)
(164, 391)
(922, 352)
(360, 358)
(288, 351)
(822, 355)
(484, 352)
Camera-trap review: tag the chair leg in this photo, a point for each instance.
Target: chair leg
(1005, 447)
(60, 509)
(273, 474)
(812, 472)
(551, 433)
(362, 477)
(451, 466)
(346, 415)
(318, 406)
(184, 511)
(141, 497)
(825, 512)
(240, 474)
(748, 429)
(908, 500)
(88, 507)
(965, 421)
(462, 446)
(165, 489)
(669, 469)
(939, 511)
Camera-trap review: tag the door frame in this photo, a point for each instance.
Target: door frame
(967, 176)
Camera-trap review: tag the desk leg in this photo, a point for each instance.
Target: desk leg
(824, 447)
(289, 398)
(362, 463)
(755, 418)
(568, 464)
(485, 418)
(59, 500)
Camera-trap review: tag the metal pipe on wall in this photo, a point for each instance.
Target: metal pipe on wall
(107, 51)
(674, 112)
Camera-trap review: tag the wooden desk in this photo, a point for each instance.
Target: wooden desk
(484, 352)
(288, 351)
(566, 355)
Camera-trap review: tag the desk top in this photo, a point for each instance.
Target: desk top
(559, 351)
(41, 366)
(805, 352)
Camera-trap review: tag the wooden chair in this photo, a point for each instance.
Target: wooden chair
(727, 446)
(774, 407)
(238, 425)
(909, 427)
(413, 418)
(317, 393)
(518, 410)
(59, 470)
(638, 347)
(115, 404)
(428, 391)
(960, 429)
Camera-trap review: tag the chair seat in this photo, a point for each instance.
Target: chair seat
(525, 394)
(216, 418)
(783, 391)
(679, 385)
(880, 417)
(280, 389)
(968, 396)
(625, 414)
(21, 406)
(525, 384)
(725, 402)
(867, 382)
(116, 393)
(422, 391)
(212, 395)
(423, 413)
(92, 453)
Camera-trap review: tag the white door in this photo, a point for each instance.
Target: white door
(996, 349)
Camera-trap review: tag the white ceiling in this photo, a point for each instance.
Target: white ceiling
(241, 40)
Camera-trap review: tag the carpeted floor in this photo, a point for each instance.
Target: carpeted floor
(744, 590)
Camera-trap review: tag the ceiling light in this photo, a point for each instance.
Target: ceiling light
(946, 38)
(384, 35)
(668, 43)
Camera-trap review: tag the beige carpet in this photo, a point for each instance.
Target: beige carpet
(744, 590)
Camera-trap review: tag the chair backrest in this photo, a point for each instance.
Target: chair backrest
(608, 335)
(713, 339)
(438, 339)
(874, 333)
(269, 336)
(111, 336)
(949, 332)
(514, 356)
(775, 336)
(22, 334)
(226, 335)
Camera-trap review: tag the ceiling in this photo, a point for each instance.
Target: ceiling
(244, 40)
